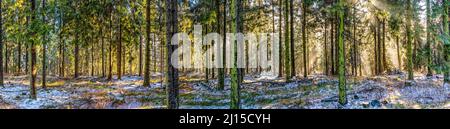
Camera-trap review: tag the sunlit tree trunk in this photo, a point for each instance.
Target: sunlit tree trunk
(44, 51)
(33, 55)
(342, 81)
(292, 17)
(326, 71)
(110, 42)
(409, 40)
(103, 52)
(305, 47)
(280, 50)
(235, 6)
(399, 58)
(119, 46)
(19, 58)
(384, 59)
(92, 59)
(333, 44)
(429, 50)
(147, 48)
(287, 42)
(1, 45)
(354, 50)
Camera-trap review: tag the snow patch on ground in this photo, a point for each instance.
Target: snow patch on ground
(19, 95)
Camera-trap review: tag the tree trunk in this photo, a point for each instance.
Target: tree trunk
(219, 19)
(354, 60)
(172, 78)
(399, 59)
(380, 50)
(235, 8)
(280, 50)
(77, 55)
(342, 81)
(429, 50)
(110, 43)
(1, 45)
(292, 16)
(287, 42)
(119, 49)
(33, 56)
(446, 46)
(6, 51)
(19, 58)
(384, 61)
(409, 42)
(103, 49)
(305, 47)
(27, 56)
(92, 60)
(326, 71)
(44, 54)
(333, 44)
(147, 48)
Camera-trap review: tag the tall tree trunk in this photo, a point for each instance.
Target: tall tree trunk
(380, 50)
(61, 54)
(140, 53)
(292, 16)
(161, 39)
(447, 46)
(19, 58)
(77, 55)
(326, 71)
(342, 81)
(399, 58)
(103, 49)
(147, 48)
(119, 48)
(235, 8)
(354, 60)
(44, 50)
(375, 48)
(110, 43)
(6, 50)
(27, 56)
(33, 55)
(384, 61)
(92, 59)
(280, 50)
(305, 47)
(287, 42)
(172, 28)
(429, 50)
(205, 48)
(1, 45)
(333, 44)
(222, 18)
(409, 42)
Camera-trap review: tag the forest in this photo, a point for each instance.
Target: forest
(224, 54)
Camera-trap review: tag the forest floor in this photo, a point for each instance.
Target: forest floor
(317, 92)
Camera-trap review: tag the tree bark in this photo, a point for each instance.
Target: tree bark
(342, 81)
(44, 54)
(409, 41)
(147, 48)
(1, 45)
(287, 42)
(33, 56)
(172, 72)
